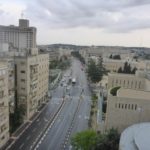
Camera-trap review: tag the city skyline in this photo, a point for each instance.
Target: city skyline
(83, 23)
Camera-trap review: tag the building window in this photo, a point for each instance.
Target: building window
(22, 71)
(136, 84)
(116, 81)
(131, 84)
(135, 106)
(23, 89)
(23, 80)
(132, 106)
(125, 106)
(1, 94)
(124, 82)
(139, 84)
(22, 63)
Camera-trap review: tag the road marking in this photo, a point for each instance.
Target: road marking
(28, 137)
(21, 146)
(45, 120)
(34, 129)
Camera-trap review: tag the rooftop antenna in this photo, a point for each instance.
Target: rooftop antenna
(22, 15)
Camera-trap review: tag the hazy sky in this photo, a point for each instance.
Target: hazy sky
(84, 22)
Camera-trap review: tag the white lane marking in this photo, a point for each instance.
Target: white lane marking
(28, 137)
(45, 120)
(37, 120)
(34, 129)
(21, 146)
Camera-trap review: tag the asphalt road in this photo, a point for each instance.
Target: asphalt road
(74, 115)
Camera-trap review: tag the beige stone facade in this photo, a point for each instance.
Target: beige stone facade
(127, 81)
(112, 65)
(4, 106)
(53, 54)
(11, 82)
(131, 103)
(127, 108)
(32, 73)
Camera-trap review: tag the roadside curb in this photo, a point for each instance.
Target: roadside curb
(15, 138)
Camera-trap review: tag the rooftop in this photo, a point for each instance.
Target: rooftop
(136, 137)
(130, 93)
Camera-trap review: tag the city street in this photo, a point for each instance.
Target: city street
(71, 118)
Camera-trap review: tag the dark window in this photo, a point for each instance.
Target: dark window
(23, 80)
(132, 106)
(22, 71)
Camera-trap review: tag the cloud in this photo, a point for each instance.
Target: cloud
(109, 15)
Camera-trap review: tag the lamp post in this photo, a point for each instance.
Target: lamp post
(139, 110)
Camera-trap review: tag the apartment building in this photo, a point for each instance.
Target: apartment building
(19, 37)
(53, 54)
(4, 107)
(32, 71)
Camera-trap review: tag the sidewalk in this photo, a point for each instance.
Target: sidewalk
(22, 128)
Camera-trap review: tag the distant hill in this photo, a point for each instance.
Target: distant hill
(78, 47)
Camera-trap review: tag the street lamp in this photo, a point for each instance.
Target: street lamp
(139, 109)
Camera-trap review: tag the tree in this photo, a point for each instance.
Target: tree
(115, 57)
(120, 70)
(127, 69)
(108, 140)
(16, 118)
(90, 140)
(134, 70)
(110, 56)
(85, 140)
(95, 71)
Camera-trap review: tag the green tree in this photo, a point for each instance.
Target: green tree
(96, 71)
(90, 140)
(110, 56)
(134, 70)
(108, 140)
(115, 57)
(85, 140)
(120, 70)
(127, 69)
(16, 118)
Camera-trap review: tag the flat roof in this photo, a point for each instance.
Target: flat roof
(130, 93)
(121, 74)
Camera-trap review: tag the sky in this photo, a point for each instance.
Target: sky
(83, 22)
